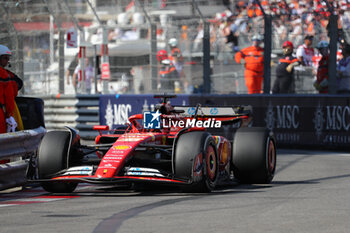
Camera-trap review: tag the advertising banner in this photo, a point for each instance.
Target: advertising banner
(72, 38)
(105, 71)
(296, 120)
(115, 110)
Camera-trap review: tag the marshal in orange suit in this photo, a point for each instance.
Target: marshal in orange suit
(9, 86)
(254, 65)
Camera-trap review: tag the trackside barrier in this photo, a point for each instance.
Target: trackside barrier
(77, 111)
(15, 147)
(298, 121)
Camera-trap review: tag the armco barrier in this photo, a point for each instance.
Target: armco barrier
(77, 111)
(14, 147)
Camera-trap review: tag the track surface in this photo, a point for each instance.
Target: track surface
(310, 193)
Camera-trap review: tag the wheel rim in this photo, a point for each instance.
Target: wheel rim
(211, 163)
(271, 156)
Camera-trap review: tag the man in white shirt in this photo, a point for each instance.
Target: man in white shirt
(305, 52)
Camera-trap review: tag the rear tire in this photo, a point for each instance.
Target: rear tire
(52, 158)
(254, 155)
(196, 159)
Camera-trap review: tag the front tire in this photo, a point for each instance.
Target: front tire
(52, 158)
(196, 159)
(254, 155)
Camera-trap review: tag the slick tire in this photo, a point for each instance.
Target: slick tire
(196, 160)
(52, 158)
(254, 155)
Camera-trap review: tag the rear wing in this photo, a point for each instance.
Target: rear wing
(214, 111)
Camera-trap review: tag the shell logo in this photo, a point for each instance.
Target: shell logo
(122, 147)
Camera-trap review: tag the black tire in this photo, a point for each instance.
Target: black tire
(52, 158)
(193, 150)
(254, 155)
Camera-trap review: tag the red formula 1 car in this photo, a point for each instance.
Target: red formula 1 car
(169, 146)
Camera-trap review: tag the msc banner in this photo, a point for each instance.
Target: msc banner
(116, 109)
(296, 120)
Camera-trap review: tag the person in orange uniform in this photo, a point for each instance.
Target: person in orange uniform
(9, 86)
(167, 73)
(254, 65)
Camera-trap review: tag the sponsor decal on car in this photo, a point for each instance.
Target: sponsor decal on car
(80, 170)
(122, 147)
(152, 120)
(140, 171)
(214, 111)
(130, 139)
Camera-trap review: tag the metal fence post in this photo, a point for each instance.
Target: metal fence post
(153, 56)
(206, 50)
(206, 59)
(61, 62)
(333, 40)
(267, 53)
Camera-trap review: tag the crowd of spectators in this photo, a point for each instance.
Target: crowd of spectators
(292, 19)
(233, 29)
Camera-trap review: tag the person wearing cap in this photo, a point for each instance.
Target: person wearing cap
(343, 71)
(321, 82)
(285, 70)
(305, 52)
(10, 83)
(167, 73)
(254, 65)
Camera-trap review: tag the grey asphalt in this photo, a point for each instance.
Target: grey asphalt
(310, 193)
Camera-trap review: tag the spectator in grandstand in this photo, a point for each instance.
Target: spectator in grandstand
(254, 65)
(321, 82)
(297, 30)
(184, 41)
(281, 33)
(305, 52)
(343, 71)
(10, 83)
(197, 43)
(231, 33)
(285, 70)
(167, 73)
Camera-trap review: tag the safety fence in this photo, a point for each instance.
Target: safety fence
(15, 151)
(41, 54)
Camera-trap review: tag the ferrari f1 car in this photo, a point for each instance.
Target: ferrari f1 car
(171, 146)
